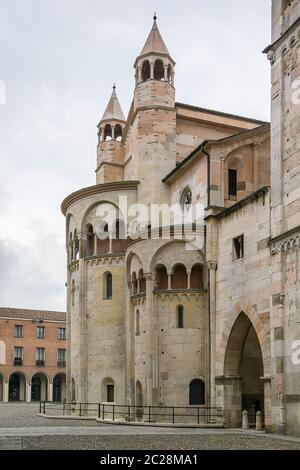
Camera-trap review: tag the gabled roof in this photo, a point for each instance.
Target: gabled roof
(113, 109)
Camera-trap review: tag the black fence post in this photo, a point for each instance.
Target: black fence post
(79, 409)
(113, 412)
(44, 411)
(149, 414)
(99, 410)
(40, 407)
(173, 413)
(198, 411)
(103, 411)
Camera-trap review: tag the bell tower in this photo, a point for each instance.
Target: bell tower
(154, 149)
(110, 149)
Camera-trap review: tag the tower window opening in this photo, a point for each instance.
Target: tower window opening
(107, 286)
(232, 182)
(107, 133)
(118, 133)
(180, 317)
(145, 71)
(238, 247)
(158, 70)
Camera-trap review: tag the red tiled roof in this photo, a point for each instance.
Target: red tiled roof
(29, 314)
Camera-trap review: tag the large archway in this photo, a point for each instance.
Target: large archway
(17, 387)
(39, 386)
(243, 370)
(59, 388)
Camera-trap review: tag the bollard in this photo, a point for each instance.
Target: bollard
(258, 424)
(245, 422)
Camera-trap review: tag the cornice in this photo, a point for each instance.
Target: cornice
(97, 189)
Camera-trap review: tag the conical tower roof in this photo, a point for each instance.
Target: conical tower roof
(155, 43)
(113, 109)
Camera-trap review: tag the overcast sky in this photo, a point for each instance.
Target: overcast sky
(59, 59)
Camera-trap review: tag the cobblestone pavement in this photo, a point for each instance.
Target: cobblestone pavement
(21, 428)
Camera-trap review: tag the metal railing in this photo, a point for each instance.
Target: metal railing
(200, 415)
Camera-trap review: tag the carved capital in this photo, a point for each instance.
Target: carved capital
(212, 266)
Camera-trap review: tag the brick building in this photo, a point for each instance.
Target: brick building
(32, 355)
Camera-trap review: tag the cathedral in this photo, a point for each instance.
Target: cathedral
(205, 313)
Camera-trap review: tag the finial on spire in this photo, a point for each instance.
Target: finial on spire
(155, 16)
(114, 86)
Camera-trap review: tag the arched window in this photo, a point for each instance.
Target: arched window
(161, 277)
(107, 286)
(134, 283)
(142, 281)
(179, 317)
(145, 71)
(73, 290)
(179, 279)
(76, 246)
(197, 392)
(90, 240)
(107, 132)
(137, 323)
(186, 200)
(118, 132)
(158, 70)
(197, 277)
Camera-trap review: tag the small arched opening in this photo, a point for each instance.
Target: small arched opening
(137, 323)
(142, 281)
(158, 70)
(145, 70)
(197, 277)
(179, 279)
(17, 387)
(197, 392)
(161, 277)
(59, 388)
(107, 286)
(134, 283)
(89, 240)
(118, 132)
(107, 133)
(180, 316)
(108, 390)
(39, 387)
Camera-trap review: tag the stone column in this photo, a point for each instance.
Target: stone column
(151, 71)
(95, 244)
(83, 379)
(139, 75)
(82, 237)
(169, 280)
(27, 392)
(50, 391)
(165, 73)
(68, 351)
(112, 132)
(172, 78)
(130, 347)
(6, 392)
(151, 366)
(189, 279)
(212, 267)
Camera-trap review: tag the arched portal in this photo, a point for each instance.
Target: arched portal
(59, 388)
(17, 387)
(39, 385)
(243, 370)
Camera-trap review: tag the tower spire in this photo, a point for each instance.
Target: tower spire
(113, 109)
